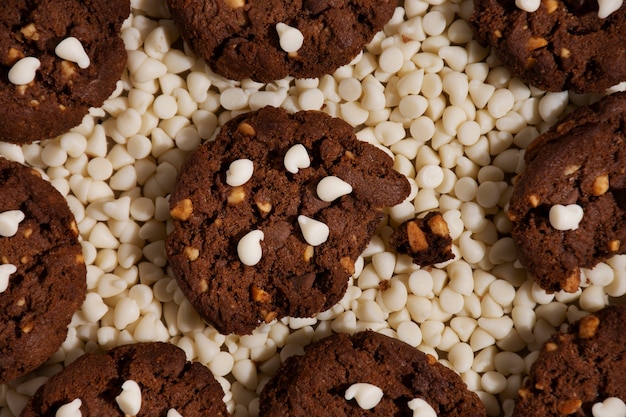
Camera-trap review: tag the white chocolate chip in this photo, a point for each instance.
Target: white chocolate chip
(610, 407)
(315, 232)
(421, 408)
(24, 70)
(528, 5)
(10, 221)
(291, 38)
(239, 172)
(330, 188)
(296, 158)
(566, 217)
(5, 272)
(172, 412)
(366, 395)
(249, 248)
(72, 50)
(606, 7)
(129, 399)
(71, 409)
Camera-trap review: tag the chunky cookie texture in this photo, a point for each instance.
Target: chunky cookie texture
(58, 58)
(578, 368)
(315, 384)
(164, 381)
(270, 217)
(426, 240)
(42, 271)
(562, 45)
(269, 40)
(569, 206)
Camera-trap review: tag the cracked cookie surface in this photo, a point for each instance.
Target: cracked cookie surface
(580, 161)
(165, 378)
(315, 383)
(48, 283)
(298, 272)
(61, 92)
(563, 45)
(578, 368)
(239, 39)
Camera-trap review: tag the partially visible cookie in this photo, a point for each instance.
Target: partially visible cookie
(426, 240)
(269, 40)
(42, 271)
(58, 58)
(568, 207)
(578, 368)
(145, 379)
(341, 375)
(564, 44)
(270, 217)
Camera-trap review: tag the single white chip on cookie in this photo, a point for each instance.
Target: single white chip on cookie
(296, 158)
(566, 217)
(291, 39)
(315, 232)
(606, 7)
(249, 248)
(528, 5)
(331, 188)
(24, 70)
(71, 49)
(366, 395)
(129, 399)
(421, 408)
(5, 272)
(71, 409)
(10, 221)
(239, 172)
(610, 407)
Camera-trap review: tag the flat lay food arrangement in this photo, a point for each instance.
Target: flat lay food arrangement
(324, 208)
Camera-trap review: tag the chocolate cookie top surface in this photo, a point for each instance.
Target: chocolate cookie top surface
(144, 379)
(562, 45)
(42, 271)
(58, 58)
(568, 206)
(269, 40)
(367, 365)
(578, 368)
(271, 216)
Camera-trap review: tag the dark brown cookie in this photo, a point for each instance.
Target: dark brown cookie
(42, 271)
(578, 368)
(164, 377)
(315, 384)
(427, 240)
(240, 38)
(577, 165)
(563, 45)
(61, 92)
(298, 272)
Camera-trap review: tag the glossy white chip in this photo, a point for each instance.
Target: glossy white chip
(129, 399)
(239, 172)
(566, 217)
(610, 407)
(71, 49)
(249, 248)
(296, 158)
(24, 70)
(314, 232)
(10, 221)
(366, 395)
(528, 5)
(291, 38)
(421, 408)
(331, 188)
(5, 272)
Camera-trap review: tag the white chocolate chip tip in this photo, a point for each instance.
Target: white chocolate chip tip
(129, 399)
(249, 248)
(366, 395)
(314, 232)
(71, 49)
(239, 172)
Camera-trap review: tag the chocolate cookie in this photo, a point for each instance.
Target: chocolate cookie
(564, 44)
(269, 40)
(578, 368)
(427, 240)
(271, 216)
(42, 271)
(58, 58)
(343, 375)
(146, 379)
(569, 206)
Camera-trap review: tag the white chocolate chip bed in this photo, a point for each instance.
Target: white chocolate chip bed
(423, 90)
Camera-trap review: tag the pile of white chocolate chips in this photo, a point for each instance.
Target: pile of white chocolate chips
(454, 120)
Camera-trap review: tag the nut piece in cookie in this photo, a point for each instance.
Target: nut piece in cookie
(283, 238)
(427, 240)
(568, 207)
(578, 368)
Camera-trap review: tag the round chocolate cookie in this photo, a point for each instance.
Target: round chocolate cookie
(271, 216)
(568, 207)
(562, 45)
(42, 271)
(578, 368)
(58, 58)
(366, 366)
(269, 40)
(145, 379)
